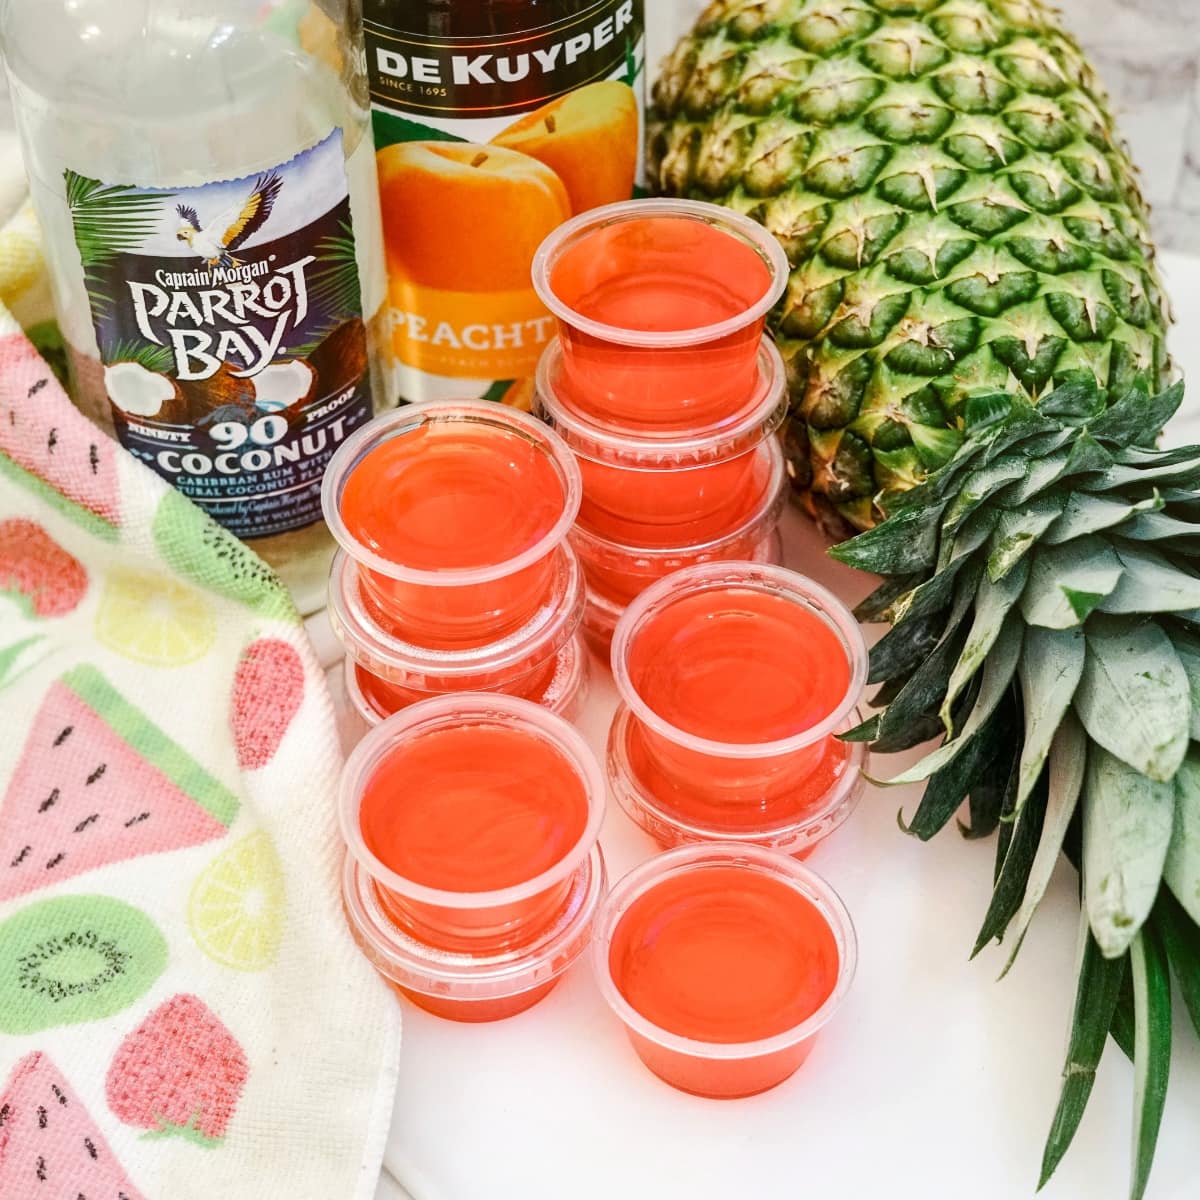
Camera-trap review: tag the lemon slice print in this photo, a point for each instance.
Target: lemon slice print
(235, 911)
(154, 619)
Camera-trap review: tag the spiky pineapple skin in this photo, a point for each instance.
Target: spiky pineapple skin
(957, 207)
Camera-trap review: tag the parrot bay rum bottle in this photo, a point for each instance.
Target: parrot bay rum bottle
(495, 121)
(205, 177)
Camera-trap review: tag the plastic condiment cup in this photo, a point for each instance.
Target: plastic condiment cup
(717, 600)
(542, 661)
(620, 571)
(482, 601)
(469, 920)
(602, 613)
(559, 685)
(794, 822)
(664, 487)
(661, 306)
(705, 1066)
(474, 986)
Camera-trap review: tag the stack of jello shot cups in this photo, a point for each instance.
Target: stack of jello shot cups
(661, 383)
(454, 573)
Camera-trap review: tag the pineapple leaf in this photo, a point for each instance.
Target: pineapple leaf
(1136, 417)
(1051, 667)
(1017, 532)
(1074, 403)
(1151, 1050)
(1187, 646)
(993, 603)
(987, 410)
(1068, 761)
(950, 786)
(1150, 584)
(998, 671)
(868, 731)
(1159, 527)
(903, 648)
(1122, 1026)
(1182, 869)
(1068, 582)
(1095, 999)
(981, 485)
(1127, 820)
(1086, 514)
(1181, 937)
(1012, 880)
(1184, 474)
(1133, 698)
(877, 605)
(902, 545)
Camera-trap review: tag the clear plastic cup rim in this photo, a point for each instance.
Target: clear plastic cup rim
(768, 512)
(454, 711)
(665, 450)
(792, 836)
(716, 577)
(576, 670)
(771, 863)
(410, 417)
(397, 660)
(755, 235)
(462, 975)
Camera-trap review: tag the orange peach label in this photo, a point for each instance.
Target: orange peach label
(588, 137)
(468, 335)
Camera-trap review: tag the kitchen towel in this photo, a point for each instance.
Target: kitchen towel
(182, 1013)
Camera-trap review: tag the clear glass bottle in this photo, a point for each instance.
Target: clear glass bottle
(205, 177)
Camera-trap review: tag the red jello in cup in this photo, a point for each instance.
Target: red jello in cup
(472, 814)
(479, 986)
(543, 661)
(664, 487)
(621, 571)
(454, 511)
(723, 962)
(661, 307)
(794, 822)
(739, 676)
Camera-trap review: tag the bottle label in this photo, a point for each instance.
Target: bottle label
(229, 321)
(485, 146)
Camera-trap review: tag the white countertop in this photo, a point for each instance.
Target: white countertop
(933, 1082)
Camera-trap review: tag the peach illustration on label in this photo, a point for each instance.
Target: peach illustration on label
(588, 137)
(436, 193)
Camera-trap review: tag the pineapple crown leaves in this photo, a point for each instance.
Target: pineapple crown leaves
(1043, 590)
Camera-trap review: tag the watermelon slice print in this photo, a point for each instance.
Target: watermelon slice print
(268, 690)
(48, 442)
(178, 1074)
(37, 572)
(50, 1148)
(99, 783)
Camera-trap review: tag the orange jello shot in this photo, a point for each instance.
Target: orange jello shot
(660, 307)
(667, 487)
(472, 815)
(456, 513)
(544, 661)
(723, 962)
(738, 677)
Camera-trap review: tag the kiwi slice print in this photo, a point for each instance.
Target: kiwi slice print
(73, 959)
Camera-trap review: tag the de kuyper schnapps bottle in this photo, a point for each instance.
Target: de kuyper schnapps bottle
(205, 177)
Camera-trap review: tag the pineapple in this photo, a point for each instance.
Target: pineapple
(955, 203)
(975, 335)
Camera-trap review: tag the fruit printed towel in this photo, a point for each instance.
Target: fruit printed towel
(183, 1015)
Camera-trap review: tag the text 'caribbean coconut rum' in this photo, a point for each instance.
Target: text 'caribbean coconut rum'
(495, 121)
(205, 177)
